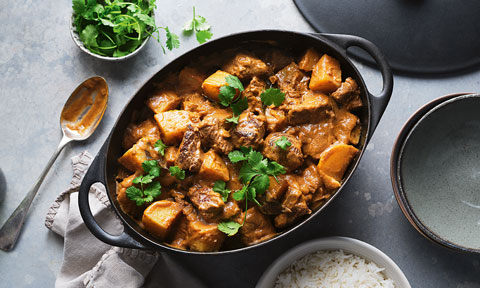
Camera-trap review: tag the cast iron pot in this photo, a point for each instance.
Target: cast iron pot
(104, 166)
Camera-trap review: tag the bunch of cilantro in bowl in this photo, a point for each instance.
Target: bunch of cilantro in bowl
(117, 28)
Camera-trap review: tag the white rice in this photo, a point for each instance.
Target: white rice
(333, 269)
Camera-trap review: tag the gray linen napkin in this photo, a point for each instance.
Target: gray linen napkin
(88, 262)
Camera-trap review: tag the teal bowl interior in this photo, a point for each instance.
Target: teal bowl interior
(439, 173)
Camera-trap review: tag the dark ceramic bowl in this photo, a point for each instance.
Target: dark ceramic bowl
(105, 166)
(435, 171)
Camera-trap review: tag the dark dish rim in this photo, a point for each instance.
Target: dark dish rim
(337, 43)
(396, 166)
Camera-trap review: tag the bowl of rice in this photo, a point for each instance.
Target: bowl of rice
(333, 262)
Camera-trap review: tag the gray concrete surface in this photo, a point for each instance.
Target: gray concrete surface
(39, 67)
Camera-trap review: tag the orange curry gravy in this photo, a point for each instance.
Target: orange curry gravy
(318, 118)
(93, 95)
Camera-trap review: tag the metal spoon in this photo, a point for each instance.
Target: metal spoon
(81, 114)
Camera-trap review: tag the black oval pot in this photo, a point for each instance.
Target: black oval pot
(104, 166)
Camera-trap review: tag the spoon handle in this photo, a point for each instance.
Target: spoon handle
(12, 227)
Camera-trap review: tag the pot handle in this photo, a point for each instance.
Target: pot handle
(96, 173)
(379, 102)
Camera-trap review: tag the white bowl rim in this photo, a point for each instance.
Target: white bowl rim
(350, 245)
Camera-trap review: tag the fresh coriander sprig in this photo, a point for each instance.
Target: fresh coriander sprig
(272, 96)
(283, 143)
(160, 147)
(149, 189)
(199, 26)
(227, 97)
(177, 172)
(254, 175)
(219, 187)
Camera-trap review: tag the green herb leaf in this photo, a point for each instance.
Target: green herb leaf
(135, 194)
(153, 190)
(283, 143)
(234, 82)
(239, 106)
(151, 167)
(203, 36)
(246, 173)
(172, 40)
(233, 119)
(219, 187)
(260, 183)
(199, 26)
(272, 96)
(78, 6)
(226, 95)
(240, 195)
(177, 172)
(236, 156)
(160, 147)
(230, 228)
(89, 36)
(252, 195)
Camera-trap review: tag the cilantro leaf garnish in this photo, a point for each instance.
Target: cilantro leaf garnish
(219, 187)
(160, 147)
(239, 106)
(233, 119)
(272, 96)
(226, 95)
(283, 143)
(230, 228)
(117, 28)
(199, 26)
(177, 172)
(254, 173)
(234, 82)
(149, 189)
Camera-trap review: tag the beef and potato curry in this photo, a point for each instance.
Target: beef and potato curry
(233, 149)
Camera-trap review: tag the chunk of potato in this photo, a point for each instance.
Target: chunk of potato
(163, 100)
(333, 163)
(213, 167)
(204, 237)
(160, 216)
(173, 124)
(128, 206)
(211, 86)
(143, 150)
(309, 60)
(326, 75)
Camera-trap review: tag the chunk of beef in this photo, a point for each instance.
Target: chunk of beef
(214, 135)
(134, 132)
(348, 95)
(163, 100)
(316, 137)
(346, 127)
(190, 153)
(195, 102)
(291, 80)
(189, 80)
(245, 66)
(276, 59)
(208, 202)
(276, 119)
(231, 210)
(294, 205)
(257, 228)
(313, 108)
(250, 130)
(309, 181)
(291, 158)
(253, 91)
(180, 235)
(271, 200)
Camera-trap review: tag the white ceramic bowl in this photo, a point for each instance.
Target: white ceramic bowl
(349, 245)
(76, 39)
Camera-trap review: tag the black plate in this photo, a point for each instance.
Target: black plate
(417, 36)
